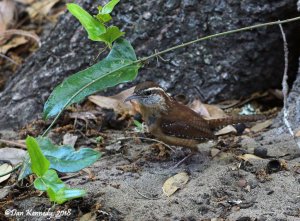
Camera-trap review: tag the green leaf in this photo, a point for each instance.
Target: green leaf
(62, 158)
(49, 180)
(93, 27)
(118, 67)
(65, 158)
(112, 33)
(103, 17)
(64, 194)
(104, 12)
(107, 9)
(139, 126)
(39, 163)
(51, 194)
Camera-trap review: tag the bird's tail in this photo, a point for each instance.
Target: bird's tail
(213, 123)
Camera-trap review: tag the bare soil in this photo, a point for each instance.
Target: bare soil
(127, 182)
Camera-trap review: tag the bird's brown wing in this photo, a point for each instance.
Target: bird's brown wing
(187, 124)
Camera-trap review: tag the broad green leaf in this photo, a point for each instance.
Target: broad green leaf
(118, 67)
(64, 194)
(62, 158)
(93, 27)
(49, 180)
(65, 158)
(39, 163)
(107, 9)
(112, 33)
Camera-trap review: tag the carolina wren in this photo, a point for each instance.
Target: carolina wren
(175, 123)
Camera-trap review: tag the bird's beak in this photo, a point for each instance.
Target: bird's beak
(132, 97)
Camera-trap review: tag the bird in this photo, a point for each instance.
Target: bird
(174, 123)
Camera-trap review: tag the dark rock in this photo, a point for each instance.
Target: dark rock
(227, 67)
(261, 152)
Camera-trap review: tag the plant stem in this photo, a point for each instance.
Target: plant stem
(218, 35)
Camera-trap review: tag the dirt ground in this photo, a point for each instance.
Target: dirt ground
(126, 183)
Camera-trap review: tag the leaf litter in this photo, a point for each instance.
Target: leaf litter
(16, 35)
(172, 184)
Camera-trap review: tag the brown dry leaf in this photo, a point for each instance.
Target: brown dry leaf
(116, 102)
(174, 183)
(88, 217)
(261, 126)
(40, 7)
(90, 173)
(215, 112)
(53, 18)
(85, 116)
(124, 94)
(108, 103)
(4, 192)
(69, 139)
(247, 157)
(226, 130)
(13, 43)
(7, 10)
(206, 110)
(199, 108)
(214, 152)
(4, 168)
(297, 134)
(13, 155)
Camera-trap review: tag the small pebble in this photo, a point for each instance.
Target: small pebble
(242, 183)
(253, 184)
(240, 128)
(147, 15)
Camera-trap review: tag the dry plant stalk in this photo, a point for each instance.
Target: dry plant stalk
(285, 87)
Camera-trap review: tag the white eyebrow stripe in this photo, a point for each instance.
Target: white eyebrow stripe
(154, 89)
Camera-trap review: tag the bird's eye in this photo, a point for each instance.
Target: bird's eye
(147, 93)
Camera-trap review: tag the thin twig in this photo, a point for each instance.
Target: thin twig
(99, 54)
(158, 56)
(8, 58)
(150, 139)
(219, 35)
(142, 195)
(24, 33)
(13, 143)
